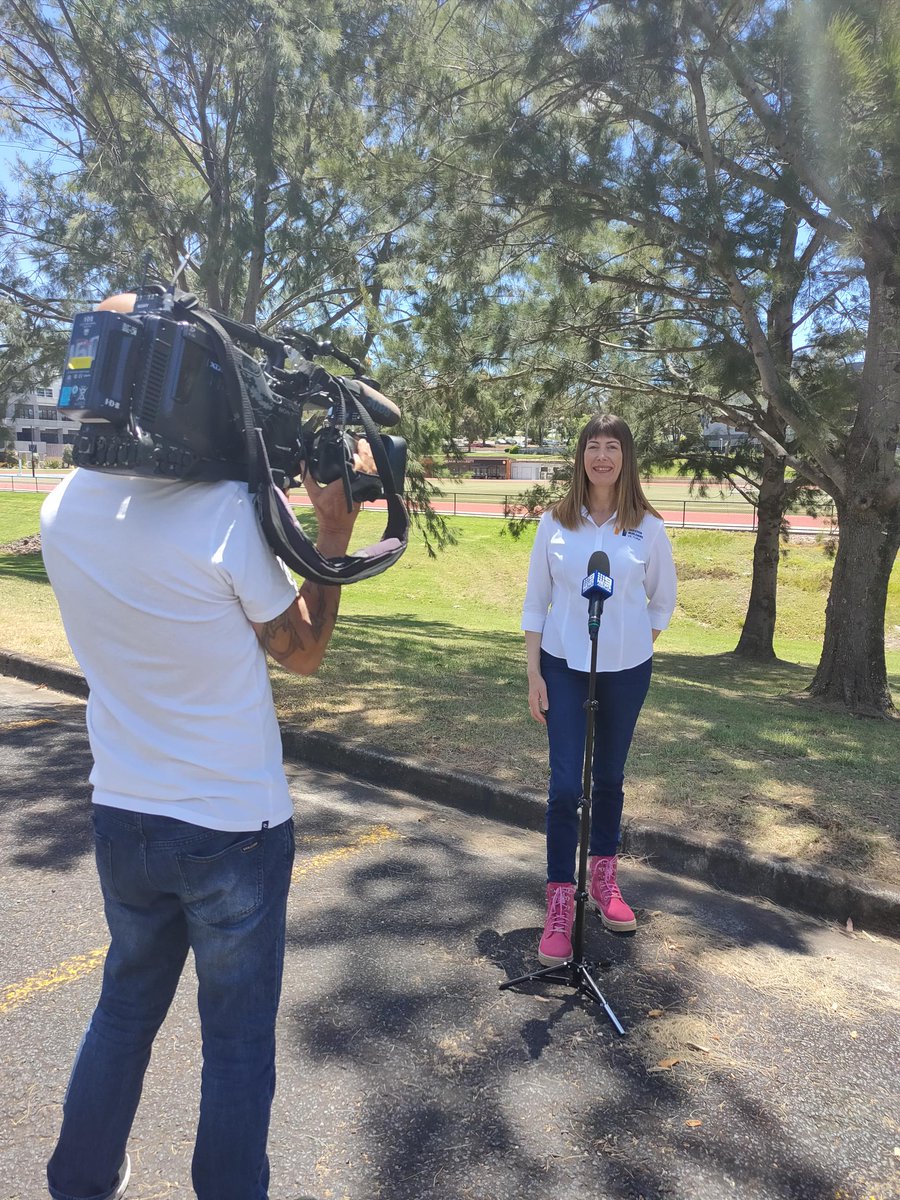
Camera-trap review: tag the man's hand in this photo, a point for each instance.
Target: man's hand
(330, 504)
(123, 302)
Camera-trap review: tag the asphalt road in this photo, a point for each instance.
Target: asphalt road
(760, 1060)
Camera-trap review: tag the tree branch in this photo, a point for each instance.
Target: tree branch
(768, 117)
(775, 187)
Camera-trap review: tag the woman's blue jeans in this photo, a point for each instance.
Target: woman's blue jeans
(169, 887)
(620, 696)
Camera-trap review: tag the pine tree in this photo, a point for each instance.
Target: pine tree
(249, 152)
(238, 144)
(747, 158)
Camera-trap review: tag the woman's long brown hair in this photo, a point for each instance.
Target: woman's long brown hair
(631, 503)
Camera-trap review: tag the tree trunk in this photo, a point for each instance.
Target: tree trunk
(852, 670)
(757, 635)
(263, 151)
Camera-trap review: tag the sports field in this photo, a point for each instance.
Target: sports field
(428, 661)
(684, 506)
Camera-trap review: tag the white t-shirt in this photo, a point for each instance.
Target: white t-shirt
(643, 599)
(157, 582)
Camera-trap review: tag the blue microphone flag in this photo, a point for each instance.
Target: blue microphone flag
(597, 584)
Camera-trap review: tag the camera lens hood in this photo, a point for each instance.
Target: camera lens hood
(380, 409)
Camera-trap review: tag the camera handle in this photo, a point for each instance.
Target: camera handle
(310, 347)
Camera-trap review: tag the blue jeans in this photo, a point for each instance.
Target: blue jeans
(620, 696)
(169, 887)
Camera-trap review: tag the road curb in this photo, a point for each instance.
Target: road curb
(726, 863)
(44, 674)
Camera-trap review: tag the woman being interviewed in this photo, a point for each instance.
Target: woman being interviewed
(604, 509)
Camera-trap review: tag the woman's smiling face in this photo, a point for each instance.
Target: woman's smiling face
(603, 460)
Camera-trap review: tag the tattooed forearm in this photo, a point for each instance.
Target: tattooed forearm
(322, 608)
(299, 637)
(279, 638)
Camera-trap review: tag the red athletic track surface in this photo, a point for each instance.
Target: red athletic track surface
(676, 517)
(797, 522)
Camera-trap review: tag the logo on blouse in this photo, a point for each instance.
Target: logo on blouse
(633, 533)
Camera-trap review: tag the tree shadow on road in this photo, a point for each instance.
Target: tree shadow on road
(452, 1089)
(45, 803)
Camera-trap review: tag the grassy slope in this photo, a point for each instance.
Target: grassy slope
(427, 659)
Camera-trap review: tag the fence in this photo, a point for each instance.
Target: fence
(42, 481)
(677, 513)
(474, 501)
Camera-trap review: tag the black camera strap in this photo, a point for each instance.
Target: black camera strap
(235, 389)
(103, 447)
(286, 537)
(281, 528)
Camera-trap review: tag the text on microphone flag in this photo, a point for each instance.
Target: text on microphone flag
(597, 584)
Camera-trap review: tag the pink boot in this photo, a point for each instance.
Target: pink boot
(556, 944)
(605, 894)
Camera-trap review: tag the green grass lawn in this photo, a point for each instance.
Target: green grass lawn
(428, 660)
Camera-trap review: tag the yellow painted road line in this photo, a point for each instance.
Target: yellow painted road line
(80, 965)
(374, 837)
(66, 972)
(35, 724)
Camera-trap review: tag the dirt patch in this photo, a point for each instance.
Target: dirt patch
(815, 981)
(709, 571)
(25, 545)
(810, 980)
(686, 1044)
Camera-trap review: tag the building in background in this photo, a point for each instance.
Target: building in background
(722, 437)
(37, 426)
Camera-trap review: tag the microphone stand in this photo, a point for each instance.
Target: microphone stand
(577, 973)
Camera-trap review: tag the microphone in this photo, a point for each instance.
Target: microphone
(596, 587)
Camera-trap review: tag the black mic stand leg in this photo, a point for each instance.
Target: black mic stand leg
(576, 973)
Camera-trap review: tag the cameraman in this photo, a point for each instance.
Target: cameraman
(170, 598)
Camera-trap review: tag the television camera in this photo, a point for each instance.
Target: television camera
(173, 390)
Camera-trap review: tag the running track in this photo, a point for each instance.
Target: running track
(677, 518)
(680, 517)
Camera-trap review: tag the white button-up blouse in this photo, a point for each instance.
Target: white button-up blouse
(643, 599)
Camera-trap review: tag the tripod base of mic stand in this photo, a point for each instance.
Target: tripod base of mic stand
(573, 974)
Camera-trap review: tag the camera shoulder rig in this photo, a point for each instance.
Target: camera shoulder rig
(168, 389)
(282, 530)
